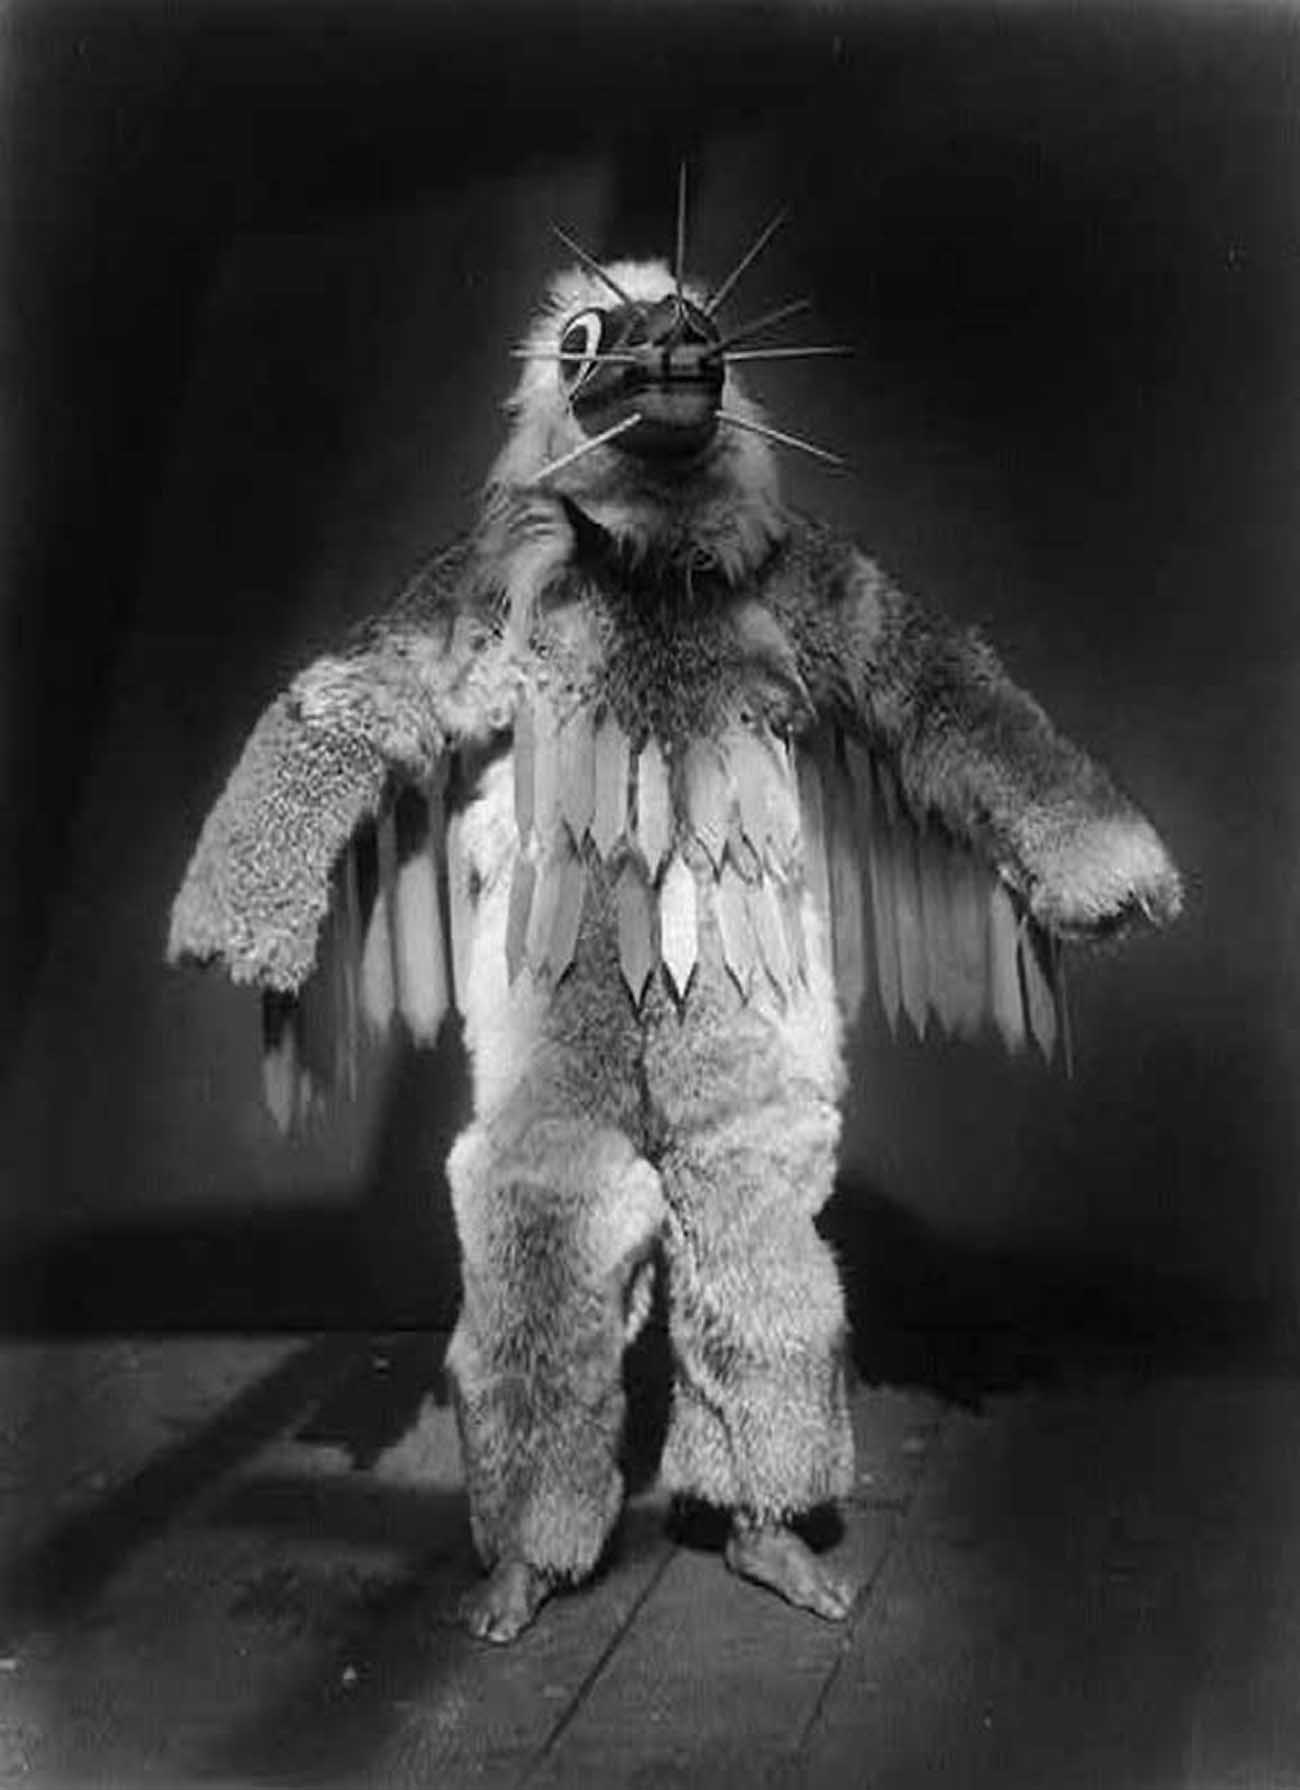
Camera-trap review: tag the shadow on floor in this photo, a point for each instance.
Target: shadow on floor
(61, 1578)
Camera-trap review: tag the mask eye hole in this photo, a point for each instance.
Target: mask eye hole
(579, 343)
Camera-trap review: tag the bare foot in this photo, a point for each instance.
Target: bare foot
(502, 1607)
(774, 1556)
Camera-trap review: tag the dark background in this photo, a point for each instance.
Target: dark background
(262, 268)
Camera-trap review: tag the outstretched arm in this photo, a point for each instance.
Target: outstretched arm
(971, 747)
(320, 763)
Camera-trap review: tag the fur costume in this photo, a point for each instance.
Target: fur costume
(662, 778)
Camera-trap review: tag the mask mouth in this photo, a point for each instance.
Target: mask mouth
(662, 364)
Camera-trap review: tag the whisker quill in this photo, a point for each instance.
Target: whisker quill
(590, 262)
(747, 260)
(766, 321)
(806, 353)
(615, 359)
(586, 447)
(780, 436)
(679, 250)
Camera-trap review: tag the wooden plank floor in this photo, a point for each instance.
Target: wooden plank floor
(238, 1563)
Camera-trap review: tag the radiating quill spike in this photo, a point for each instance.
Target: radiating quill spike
(769, 320)
(590, 262)
(747, 260)
(586, 447)
(781, 437)
(1004, 970)
(679, 246)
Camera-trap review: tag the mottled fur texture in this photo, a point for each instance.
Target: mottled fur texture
(685, 599)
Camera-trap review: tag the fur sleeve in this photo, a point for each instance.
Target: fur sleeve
(972, 748)
(432, 672)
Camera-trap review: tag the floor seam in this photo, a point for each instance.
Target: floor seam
(899, 1512)
(588, 1684)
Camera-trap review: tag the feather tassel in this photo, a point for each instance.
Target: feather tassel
(653, 806)
(1004, 972)
(709, 796)
(525, 751)
(750, 769)
(378, 991)
(634, 903)
(568, 915)
(847, 916)
(349, 944)
(812, 827)
(577, 751)
(419, 949)
(460, 909)
(523, 882)
(280, 1067)
(969, 910)
(679, 925)
(880, 874)
(739, 949)
(912, 980)
(1062, 994)
(1035, 976)
(546, 769)
(769, 930)
(782, 803)
(609, 813)
(795, 935)
(942, 977)
(545, 907)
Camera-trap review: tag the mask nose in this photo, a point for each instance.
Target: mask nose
(673, 380)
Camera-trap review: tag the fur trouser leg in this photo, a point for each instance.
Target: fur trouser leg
(555, 1219)
(556, 1212)
(747, 1104)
